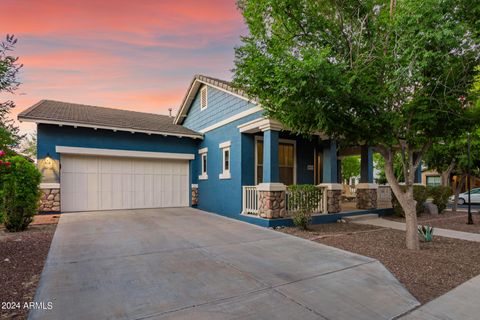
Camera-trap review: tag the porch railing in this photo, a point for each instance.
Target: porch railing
(250, 200)
(293, 200)
(315, 197)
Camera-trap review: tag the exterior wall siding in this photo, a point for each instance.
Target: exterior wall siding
(221, 106)
(50, 136)
(224, 196)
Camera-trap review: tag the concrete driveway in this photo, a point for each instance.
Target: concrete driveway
(184, 263)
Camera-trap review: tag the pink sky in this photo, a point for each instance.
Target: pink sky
(138, 55)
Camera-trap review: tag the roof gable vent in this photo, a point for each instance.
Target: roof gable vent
(204, 98)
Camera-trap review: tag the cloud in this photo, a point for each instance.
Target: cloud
(139, 55)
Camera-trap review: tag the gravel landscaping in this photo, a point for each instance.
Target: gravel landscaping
(440, 266)
(448, 220)
(22, 256)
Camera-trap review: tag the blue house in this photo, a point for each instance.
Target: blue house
(219, 153)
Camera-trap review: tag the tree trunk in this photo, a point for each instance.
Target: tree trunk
(457, 192)
(406, 200)
(446, 175)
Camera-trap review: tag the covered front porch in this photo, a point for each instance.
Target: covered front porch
(282, 159)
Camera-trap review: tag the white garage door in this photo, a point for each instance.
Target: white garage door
(106, 183)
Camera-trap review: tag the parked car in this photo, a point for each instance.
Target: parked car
(463, 197)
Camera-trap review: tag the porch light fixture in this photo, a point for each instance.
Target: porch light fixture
(48, 162)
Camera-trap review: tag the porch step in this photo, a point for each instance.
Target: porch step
(361, 217)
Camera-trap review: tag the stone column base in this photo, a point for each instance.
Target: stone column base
(366, 196)
(49, 200)
(271, 200)
(333, 197)
(194, 195)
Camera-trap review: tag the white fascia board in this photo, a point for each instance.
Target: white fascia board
(123, 153)
(236, 117)
(225, 144)
(75, 125)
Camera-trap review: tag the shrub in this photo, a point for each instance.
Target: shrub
(419, 194)
(425, 233)
(303, 201)
(19, 193)
(440, 196)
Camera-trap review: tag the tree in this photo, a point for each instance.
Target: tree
(9, 68)
(379, 163)
(29, 146)
(450, 157)
(350, 167)
(365, 72)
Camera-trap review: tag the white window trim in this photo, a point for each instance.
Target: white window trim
(225, 146)
(204, 89)
(294, 142)
(203, 174)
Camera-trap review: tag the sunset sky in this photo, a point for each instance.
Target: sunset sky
(139, 55)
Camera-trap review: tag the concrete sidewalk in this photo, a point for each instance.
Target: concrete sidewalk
(459, 303)
(182, 263)
(437, 231)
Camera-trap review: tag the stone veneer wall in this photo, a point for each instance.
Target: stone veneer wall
(49, 200)
(194, 195)
(366, 198)
(271, 204)
(333, 201)
(384, 197)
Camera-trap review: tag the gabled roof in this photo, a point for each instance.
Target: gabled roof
(65, 113)
(196, 84)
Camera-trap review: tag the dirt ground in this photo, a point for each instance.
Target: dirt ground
(437, 268)
(22, 256)
(447, 220)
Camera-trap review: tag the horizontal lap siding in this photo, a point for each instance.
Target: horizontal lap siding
(221, 106)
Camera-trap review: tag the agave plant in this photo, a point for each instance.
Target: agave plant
(425, 233)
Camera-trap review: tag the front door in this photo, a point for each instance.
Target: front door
(286, 162)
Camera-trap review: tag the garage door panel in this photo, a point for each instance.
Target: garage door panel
(103, 183)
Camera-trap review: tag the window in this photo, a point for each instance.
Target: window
(286, 162)
(203, 164)
(225, 147)
(204, 98)
(433, 181)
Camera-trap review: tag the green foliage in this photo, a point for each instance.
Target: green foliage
(19, 193)
(379, 162)
(29, 146)
(302, 219)
(440, 196)
(350, 167)
(364, 72)
(425, 233)
(452, 154)
(9, 68)
(419, 194)
(303, 200)
(349, 70)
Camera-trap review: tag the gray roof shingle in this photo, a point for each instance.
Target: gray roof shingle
(65, 112)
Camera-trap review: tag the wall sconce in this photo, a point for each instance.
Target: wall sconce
(48, 162)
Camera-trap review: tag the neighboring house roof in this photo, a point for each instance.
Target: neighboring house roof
(196, 84)
(64, 113)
